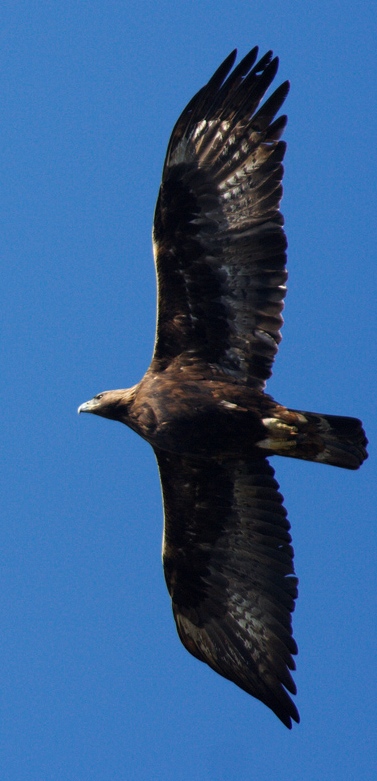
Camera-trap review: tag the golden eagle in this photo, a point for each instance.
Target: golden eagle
(220, 253)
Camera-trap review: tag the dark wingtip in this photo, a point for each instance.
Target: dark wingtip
(222, 71)
(287, 717)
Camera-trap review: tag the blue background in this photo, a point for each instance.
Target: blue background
(94, 681)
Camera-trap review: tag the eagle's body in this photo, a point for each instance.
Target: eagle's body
(220, 256)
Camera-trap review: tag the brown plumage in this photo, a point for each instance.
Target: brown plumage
(220, 253)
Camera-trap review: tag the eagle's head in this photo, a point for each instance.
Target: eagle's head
(112, 404)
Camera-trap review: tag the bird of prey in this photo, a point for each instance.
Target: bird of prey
(220, 254)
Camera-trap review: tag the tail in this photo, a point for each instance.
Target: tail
(327, 439)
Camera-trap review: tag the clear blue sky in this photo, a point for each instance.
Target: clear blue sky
(95, 685)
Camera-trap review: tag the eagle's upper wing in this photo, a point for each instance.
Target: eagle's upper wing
(229, 569)
(218, 237)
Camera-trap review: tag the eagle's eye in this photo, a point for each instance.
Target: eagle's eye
(99, 396)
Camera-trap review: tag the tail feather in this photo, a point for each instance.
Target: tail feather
(310, 436)
(331, 439)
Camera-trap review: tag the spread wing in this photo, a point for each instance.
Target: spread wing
(218, 238)
(228, 565)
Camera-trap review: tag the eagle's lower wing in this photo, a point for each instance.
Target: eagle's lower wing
(218, 236)
(228, 565)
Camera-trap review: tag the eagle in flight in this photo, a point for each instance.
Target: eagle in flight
(220, 254)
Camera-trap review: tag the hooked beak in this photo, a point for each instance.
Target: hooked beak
(88, 406)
